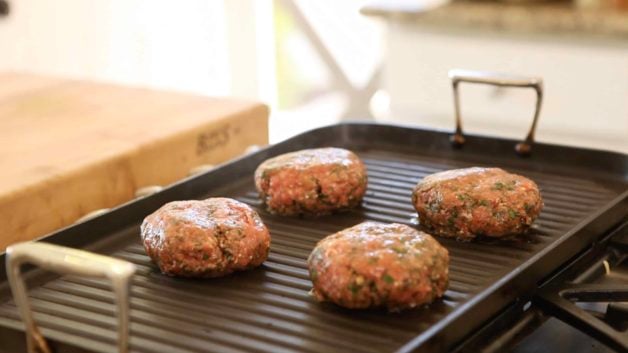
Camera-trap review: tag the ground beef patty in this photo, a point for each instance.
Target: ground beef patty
(315, 181)
(464, 203)
(379, 265)
(208, 238)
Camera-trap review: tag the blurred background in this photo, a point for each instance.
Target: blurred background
(318, 62)
(306, 60)
(104, 101)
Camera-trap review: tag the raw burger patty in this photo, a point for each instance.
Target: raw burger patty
(464, 203)
(379, 265)
(208, 238)
(315, 181)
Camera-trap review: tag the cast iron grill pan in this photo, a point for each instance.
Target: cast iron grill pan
(269, 309)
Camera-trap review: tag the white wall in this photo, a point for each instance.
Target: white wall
(164, 44)
(586, 84)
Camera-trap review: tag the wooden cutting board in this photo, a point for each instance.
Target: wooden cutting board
(70, 147)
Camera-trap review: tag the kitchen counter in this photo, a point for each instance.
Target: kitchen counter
(556, 17)
(70, 147)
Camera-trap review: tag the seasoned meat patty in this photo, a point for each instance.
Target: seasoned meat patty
(379, 265)
(208, 238)
(464, 203)
(315, 181)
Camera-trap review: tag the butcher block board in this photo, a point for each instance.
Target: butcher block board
(71, 147)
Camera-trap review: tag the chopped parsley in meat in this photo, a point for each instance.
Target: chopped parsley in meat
(208, 238)
(379, 265)
(314, 181)
(474, 201)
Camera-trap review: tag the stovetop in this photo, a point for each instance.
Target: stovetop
(557, 337)
(582, 308)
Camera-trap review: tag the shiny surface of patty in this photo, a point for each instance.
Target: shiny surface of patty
(379, 265)
(208, 238)
(314, 181)
(465, 203)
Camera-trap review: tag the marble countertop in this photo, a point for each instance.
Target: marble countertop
(551, 17)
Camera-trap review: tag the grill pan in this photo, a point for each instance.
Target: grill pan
(269, 310)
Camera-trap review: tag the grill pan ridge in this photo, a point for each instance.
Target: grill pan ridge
(269, 310)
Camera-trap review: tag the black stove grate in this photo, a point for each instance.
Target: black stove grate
(595, 301)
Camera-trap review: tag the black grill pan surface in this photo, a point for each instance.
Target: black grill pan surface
(269, 310)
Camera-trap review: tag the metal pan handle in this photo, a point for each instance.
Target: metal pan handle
(67, 261)
(496, 79)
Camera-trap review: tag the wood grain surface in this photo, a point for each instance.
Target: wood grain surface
(70, 147)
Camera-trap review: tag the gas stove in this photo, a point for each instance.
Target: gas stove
(583, 307)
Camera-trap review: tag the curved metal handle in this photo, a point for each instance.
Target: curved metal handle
(497, 79)
(67, 261)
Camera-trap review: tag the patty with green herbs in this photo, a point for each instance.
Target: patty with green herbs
(471, 202)
(207, 238)
(315, 181)
(374, 265)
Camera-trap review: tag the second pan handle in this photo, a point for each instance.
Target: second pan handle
(496, 79)
(67, 261)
